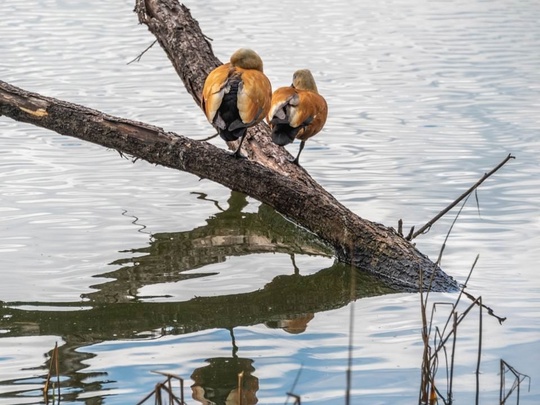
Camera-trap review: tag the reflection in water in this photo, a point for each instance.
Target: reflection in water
(226, 380)
(116, 311)
(423, 95)
(230, 232)
(294, 325)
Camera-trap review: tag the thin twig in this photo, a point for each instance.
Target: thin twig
(452, 359)
(57, 366)
(452, 331)
(479, 352)
(240, 384)
(428, 225)
(157, 391)
(54, 362)
(477, 203)
(439, 259)
(425, 373)
(435, 393)
(295, 382)
(168, 390)
(166, 386)
(462, 292)
(142, 401)
(518, 379)
(48, 380)
(138, 58)
(490, 310)
(297, 399)
(410, 234)
(351, 336)
(121, 154)
(207, 138)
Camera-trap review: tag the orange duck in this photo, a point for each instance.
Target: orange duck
(297, 112)
(237, 95)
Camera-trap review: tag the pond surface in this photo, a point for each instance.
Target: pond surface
(132, 268)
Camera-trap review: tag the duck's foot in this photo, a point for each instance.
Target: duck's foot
(238, 155)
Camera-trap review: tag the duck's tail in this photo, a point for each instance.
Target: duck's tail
(283, 134)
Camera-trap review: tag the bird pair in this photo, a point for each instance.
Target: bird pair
(238, 95)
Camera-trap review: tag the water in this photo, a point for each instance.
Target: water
(132, 268)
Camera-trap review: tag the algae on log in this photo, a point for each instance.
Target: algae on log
(266, 176)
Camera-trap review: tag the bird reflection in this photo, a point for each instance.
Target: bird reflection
(294, 325)
(226, 380)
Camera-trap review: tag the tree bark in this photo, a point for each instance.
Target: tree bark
(266, 176)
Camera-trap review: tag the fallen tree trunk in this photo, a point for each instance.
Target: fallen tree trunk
(267, 176)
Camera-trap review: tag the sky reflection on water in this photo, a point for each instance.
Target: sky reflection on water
(423, 97)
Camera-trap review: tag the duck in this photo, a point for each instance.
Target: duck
(297, 111)
(237, 95)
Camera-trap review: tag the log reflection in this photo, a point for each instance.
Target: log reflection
(229, 233)
(114, 310)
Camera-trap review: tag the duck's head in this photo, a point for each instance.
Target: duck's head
(247, 59)
(303, 80)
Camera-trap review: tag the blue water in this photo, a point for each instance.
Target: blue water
(424, 98)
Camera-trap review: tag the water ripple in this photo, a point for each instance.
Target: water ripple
(424, 97)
